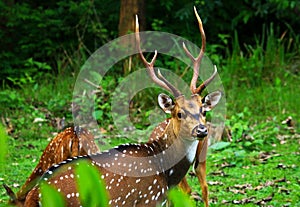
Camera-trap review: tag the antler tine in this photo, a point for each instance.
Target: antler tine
(196, 61)
(175, 92)
(150, 66)
(205, 83)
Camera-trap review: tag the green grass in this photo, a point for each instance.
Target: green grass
(267, 100)
(248, 177)
(235, 173)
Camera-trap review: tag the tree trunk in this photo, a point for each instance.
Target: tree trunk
(128, 10)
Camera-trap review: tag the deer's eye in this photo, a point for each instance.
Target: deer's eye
(181, 115)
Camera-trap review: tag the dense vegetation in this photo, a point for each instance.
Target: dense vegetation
(255, 44)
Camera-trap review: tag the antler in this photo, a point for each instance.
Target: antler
(197, 61)
(150, 66)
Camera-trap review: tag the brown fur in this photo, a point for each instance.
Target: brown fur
(73, 141)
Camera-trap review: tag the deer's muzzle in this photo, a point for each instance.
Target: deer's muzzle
(200, 131)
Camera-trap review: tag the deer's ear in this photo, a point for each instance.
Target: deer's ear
(165, 102)
(211, 100)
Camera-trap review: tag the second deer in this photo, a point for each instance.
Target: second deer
(72, 142)
(141, 174)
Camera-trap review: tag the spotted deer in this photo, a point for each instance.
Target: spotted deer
(72, 142)
(199, 163)
(141, 174)
(201, 152)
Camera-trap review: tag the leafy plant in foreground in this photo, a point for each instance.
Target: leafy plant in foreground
(91, 186)
(179, 198)
(51, 197)
(91, 189)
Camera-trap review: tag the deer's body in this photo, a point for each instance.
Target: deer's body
(135, 174)
(116, 183)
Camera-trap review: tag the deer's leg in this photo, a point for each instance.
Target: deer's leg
(200, 169)
(32, 198)
(185, 186)
(201, 174)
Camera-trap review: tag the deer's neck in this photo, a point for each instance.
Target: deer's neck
(182, 143)
(177, 153)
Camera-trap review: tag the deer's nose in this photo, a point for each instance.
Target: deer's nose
(200, 131)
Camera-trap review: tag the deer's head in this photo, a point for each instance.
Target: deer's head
(187, 115)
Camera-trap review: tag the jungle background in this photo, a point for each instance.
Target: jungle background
(255, 45)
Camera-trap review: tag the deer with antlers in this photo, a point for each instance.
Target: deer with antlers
(141, 174)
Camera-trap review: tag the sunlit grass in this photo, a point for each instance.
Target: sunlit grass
(251, 178)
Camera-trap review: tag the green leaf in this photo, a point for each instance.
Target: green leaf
(247, 144)
(91, 186)
(180, 199)
(3, 143)
(98, 114)
(220, 145)
(258, 142)
(51, 197)
(240, 153)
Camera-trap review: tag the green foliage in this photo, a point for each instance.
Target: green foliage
(261, 62)
(3, 144)
(239, 124)
(102, 109)
(91, 186)
(247, 136)
(51, 197)
(53, 32)
(179, 199)
(31, 73)
(219, 145)
(260, 78)
(63, 34)
(10, 99)
(91, 189)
